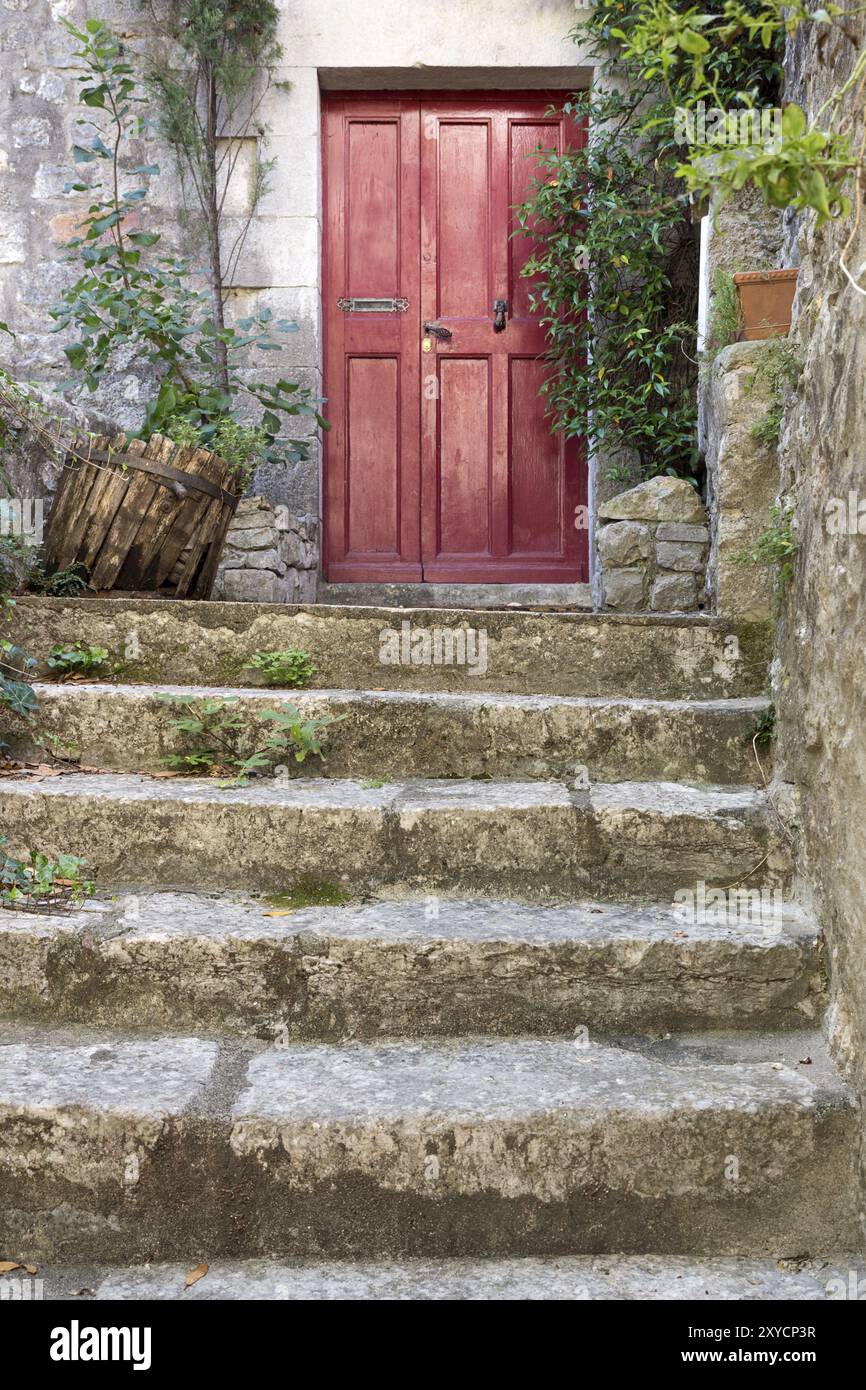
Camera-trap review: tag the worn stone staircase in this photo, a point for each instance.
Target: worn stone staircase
(426, 1023)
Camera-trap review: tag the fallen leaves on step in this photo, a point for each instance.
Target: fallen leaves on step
(283, 912)
(80, 1293)
(7, 1266)
(195, 1274)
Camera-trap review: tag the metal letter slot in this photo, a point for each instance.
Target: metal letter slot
(373, 306)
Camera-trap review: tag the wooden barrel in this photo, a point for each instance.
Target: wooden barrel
(128, 512)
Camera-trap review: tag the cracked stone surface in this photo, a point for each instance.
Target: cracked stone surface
(435, 967)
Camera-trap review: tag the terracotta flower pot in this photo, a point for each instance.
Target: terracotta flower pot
(766, 297)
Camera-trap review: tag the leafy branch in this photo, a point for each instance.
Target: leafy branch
(130, 296)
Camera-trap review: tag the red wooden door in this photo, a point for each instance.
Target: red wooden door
(440, 464)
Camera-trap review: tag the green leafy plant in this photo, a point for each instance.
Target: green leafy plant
(726, 319)
(764, 728)
(239, 445)
(778, 368)
(613, 266)
(41, 883)
(221, 740)
(291, 667)
(210, 112)
(809, 165)
(65, 583)
(130, 299)
(68, 662)
(776, 546)
(17, 696)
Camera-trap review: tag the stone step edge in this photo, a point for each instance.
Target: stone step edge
(567, 1277)
(413, 969)
(144, 690)
(405, 794)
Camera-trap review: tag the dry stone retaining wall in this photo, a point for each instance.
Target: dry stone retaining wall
(652, 543)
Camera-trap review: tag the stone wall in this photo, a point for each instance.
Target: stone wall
(742, 479)
(652, 545)
(820, 679)
(269, 557)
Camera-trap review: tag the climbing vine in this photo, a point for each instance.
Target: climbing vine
(614, 260)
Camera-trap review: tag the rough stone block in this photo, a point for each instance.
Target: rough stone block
(264, 560)
(252, 537)
(624, 588)
(678, 531)
(679, 556)
(624, 543)
(251, 586)
(674, 593)
(657, 499)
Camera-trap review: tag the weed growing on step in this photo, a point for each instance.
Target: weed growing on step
(22, 569)
(765, 727)
(66, 583)
(291, 667)
(42, 884)
(80, 662)
(726, 320)
(221, 740)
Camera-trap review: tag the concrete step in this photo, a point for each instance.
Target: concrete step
(535, 841)
(121, 1149)
(410, 969)
(663, 657)
(570, 1277)
(125, 728)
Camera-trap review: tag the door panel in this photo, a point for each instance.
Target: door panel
(440, 463)
(465, 454)
(372, 379)
(373, 446)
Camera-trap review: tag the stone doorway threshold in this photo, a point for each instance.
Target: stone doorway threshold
(545, 596)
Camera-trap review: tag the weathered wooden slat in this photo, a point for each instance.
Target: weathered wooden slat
(208, 572)
(156, 527)
(103, 500)
(110, 505)
(119, 537)
(199, 544)
(68, 519)
(193, 527)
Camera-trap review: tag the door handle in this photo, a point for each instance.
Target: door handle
(438, 331)
(500, 309)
